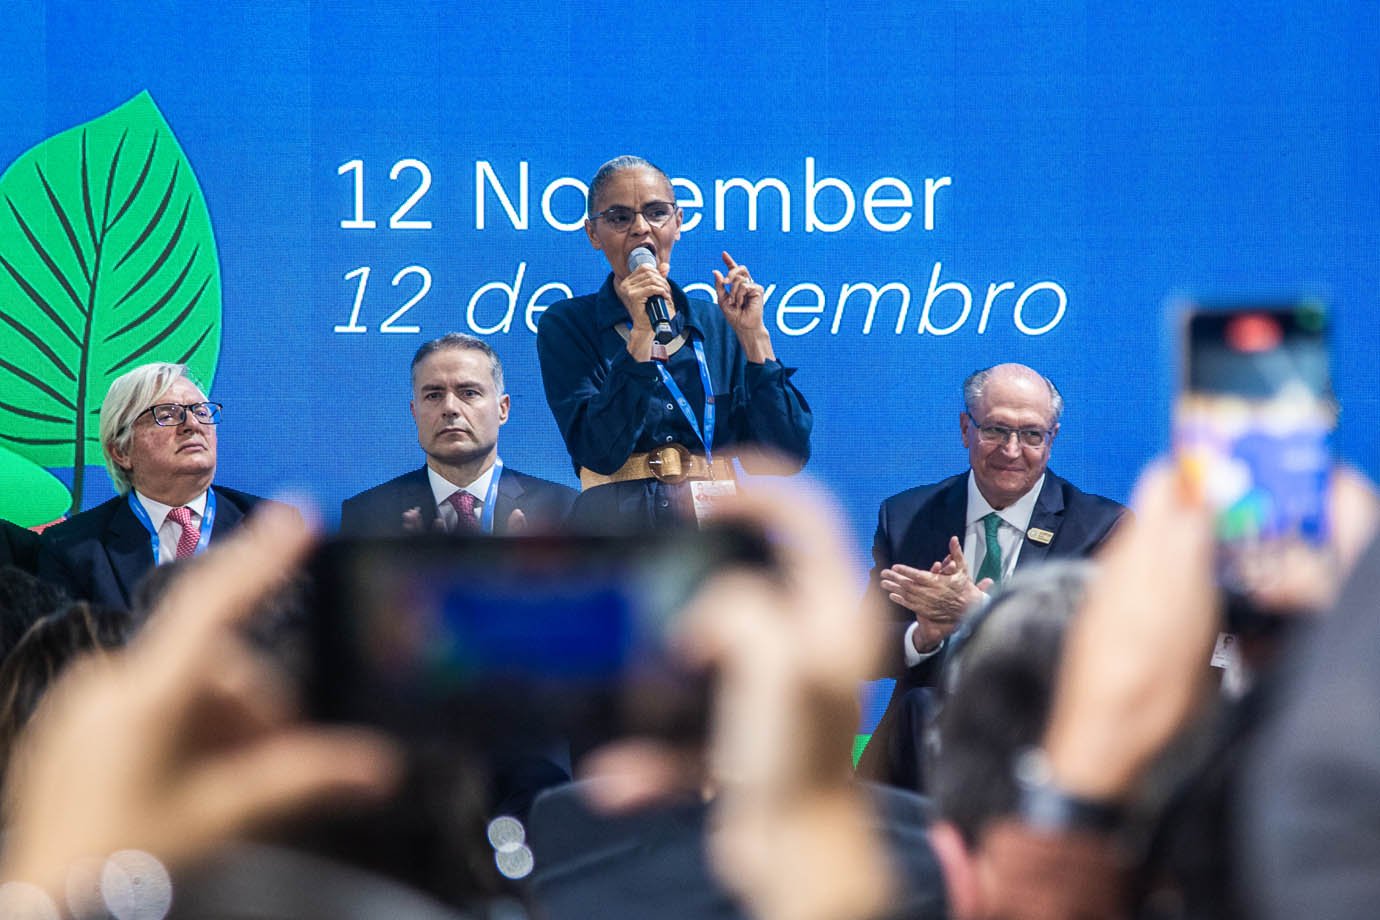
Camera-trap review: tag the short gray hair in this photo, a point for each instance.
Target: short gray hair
(461, 341)
(128, 397)
(975, 385)
(617, 165)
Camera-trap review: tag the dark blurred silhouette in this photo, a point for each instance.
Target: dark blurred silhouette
(18, 547)
(47, 649)
(24, 599)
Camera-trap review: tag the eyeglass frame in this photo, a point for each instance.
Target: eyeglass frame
(1046, 434)
(216, 409)
(636, 211)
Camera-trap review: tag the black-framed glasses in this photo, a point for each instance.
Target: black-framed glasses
(166, 415)
(1000, 434)
(620, 218)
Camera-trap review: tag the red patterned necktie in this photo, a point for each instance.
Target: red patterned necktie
(463, 502)
(186, 544)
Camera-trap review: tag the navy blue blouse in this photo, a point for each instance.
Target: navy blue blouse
(609, 406)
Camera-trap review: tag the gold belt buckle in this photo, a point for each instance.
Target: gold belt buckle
(669, 463)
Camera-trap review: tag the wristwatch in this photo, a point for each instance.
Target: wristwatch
(1045, 807)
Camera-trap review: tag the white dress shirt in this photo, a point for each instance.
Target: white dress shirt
(169, 531)
(1015, 521)
(442, 489)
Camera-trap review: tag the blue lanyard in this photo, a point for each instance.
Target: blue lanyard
(208, 520)
(705, 433)
(486, 516)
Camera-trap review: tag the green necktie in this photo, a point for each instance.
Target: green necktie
(991, 562)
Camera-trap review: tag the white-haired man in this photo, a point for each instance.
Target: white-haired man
(158, 434)
(940, 547)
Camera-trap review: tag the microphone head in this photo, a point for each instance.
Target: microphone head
(639, 257)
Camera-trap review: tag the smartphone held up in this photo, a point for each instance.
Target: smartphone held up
(486, 641)
(1252, 432)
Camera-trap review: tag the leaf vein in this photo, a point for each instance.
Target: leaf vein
(161, 258)
(196, 345)
(40, 302)
(30, 413)
(86, 198)
(67, 228)
(166, 331)
(38, 384)
(110, 182)
(40, 345)
(153, 221)
(57, 273)
(138, 184)
(35, 442)
(161, 301)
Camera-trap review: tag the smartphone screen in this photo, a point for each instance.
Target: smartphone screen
(1253, 428)
(490, 640)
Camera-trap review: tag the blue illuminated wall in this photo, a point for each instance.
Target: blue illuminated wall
(1030, 184)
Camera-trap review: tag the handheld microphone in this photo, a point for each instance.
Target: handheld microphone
(657, 311)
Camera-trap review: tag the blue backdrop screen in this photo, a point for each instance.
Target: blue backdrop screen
(923, 190)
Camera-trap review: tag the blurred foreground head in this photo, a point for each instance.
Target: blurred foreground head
(24, 599)
(1001, 683)
(185, 739)
(46, 650)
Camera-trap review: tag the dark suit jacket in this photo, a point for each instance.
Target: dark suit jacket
(100, 554)
(378, 512)
(914, 527)
(18, 547)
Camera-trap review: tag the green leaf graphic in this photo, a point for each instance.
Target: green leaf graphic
(29, 494)
(107, 261)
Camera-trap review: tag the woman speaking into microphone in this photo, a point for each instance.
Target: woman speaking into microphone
(653, 391)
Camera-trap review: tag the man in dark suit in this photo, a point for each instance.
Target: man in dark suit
(18, 547)
(158, 433)
(459, 404)
(939, 548)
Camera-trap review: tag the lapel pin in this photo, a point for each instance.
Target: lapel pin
(1039, 535)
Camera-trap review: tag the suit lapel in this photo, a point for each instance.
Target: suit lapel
(510, 489)
(926, 536)
(416, 493)
(128, 547)
(228, 516)
(955, 513)
(1047, 516)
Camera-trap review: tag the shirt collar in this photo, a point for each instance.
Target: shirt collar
(158, 512)
(610, 311)
(442, 488)
(1017, 514)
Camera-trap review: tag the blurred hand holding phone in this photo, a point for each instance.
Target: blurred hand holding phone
(487, 642)
(482, 656)
(1252, 433)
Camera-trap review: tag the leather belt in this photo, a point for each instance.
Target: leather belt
(670, 463)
